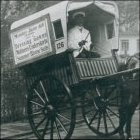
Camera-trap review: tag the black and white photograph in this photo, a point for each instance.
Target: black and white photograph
(70, 69)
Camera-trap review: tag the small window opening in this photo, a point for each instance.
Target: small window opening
(125, 46)
(58, 29)
(110, 30)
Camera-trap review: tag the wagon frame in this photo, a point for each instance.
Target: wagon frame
(93, 93)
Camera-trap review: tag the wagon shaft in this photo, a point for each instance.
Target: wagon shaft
(118, 75)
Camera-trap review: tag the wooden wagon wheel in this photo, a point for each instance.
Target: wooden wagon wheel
(50, 108)
(101, 110)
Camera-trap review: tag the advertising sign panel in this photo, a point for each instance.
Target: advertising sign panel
(31, 41)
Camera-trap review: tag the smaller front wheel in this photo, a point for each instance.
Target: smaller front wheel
(101, 110)
(50, 108)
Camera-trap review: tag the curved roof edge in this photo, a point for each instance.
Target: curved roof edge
(107, 6)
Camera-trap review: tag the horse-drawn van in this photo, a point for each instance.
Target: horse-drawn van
(55, 79)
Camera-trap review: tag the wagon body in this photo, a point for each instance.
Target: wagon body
(71, 70)
(40, 47)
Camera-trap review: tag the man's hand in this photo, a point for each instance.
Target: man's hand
(82, 43)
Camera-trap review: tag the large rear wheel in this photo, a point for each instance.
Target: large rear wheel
(51, 109)
(101, 110)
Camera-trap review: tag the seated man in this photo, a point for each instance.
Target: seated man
(79, 39)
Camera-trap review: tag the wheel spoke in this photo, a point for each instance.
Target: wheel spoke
(57, 130)
(39, 96)
(99, 121)
(45, 129)
(93, 117)
(59, 121)
(39, 111)
(98, 92)
(113, 112)
(51, 134)
(105, 123)
(63, 117)
(40, 122)
(36, 103)
(110, 120)
(47, 99)
(95, 105)
(36, 113)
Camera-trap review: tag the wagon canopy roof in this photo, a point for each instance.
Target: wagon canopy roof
(68, 6)
(107, 6)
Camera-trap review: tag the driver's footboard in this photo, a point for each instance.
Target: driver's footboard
(95, 67)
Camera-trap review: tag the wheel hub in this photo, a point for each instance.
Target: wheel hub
(50, 108)
(101, 103)
(49, 111)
